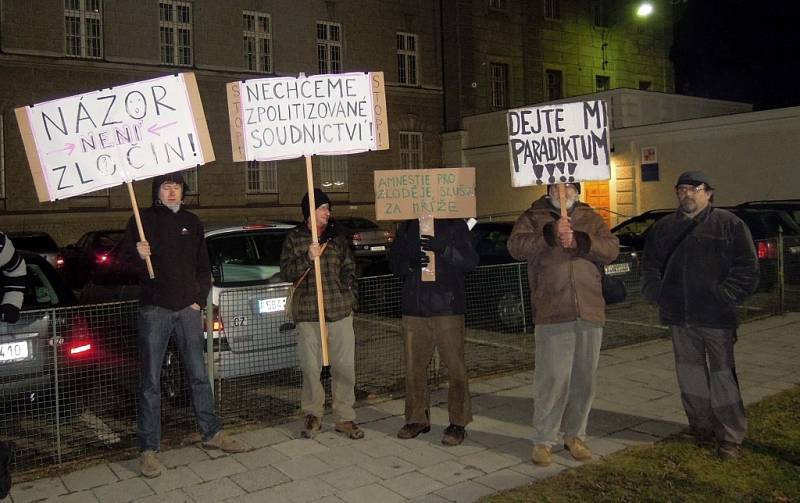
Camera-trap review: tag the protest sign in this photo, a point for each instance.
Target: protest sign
(559, 143)
(288, 117)
(101, 139)
(414, 193)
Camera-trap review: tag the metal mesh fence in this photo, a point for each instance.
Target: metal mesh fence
(69, 376)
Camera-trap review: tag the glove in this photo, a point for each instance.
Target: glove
(420, 261)
(436, 244)
(9, 313)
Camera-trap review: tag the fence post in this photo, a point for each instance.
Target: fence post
(55, 343)
(210, 339)
(781, 275)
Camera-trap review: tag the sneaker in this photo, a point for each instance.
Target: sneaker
(413, 430)
(224, 443)
(541, 455)
(311, 426)
(577, 448)
(453, 435)
(149, 464)
(350, 429)
(729, 450)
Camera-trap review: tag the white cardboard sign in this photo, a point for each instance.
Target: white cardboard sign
(288, 117)
(563, 142)
(101, 139)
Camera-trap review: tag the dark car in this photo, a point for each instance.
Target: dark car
(790, 206)
(764, 225)
(88, 254)
(46, 340)
(366, 238)
(40, 243)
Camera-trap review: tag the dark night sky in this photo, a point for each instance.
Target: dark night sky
(738, 50)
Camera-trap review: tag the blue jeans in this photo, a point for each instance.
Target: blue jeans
(156, 325)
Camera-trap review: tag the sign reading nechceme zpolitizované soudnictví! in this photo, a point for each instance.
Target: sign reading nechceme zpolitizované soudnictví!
(563, 142)
(101, 139)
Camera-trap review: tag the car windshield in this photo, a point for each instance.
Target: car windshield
(107, 240)
(39, 291)
(38, 243)
(247, 256)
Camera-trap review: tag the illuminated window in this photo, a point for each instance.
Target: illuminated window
(175, 25)
(262, 177)
(329, 47)
(332, 173)
(83, 27)
(257, 33)
(407, 59)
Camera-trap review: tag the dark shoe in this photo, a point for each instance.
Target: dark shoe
(350, 429)
(453, 435)
(729, 450)
(6, 453)
(311, 426)
(413, 430)
(701, 438)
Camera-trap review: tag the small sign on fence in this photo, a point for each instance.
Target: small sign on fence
(413, 193)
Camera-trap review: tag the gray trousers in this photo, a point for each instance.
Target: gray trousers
(421, 335)
(341, 355)
(707, 378)
(564, 379)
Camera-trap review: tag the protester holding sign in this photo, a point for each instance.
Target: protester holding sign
(170, 305)
(433, 317)
(563, 254)
(338, 269)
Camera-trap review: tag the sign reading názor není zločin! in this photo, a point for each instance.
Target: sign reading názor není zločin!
(559, 143)
(413, 193)
(100, 139)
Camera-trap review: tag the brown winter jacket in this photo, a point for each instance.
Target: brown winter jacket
(564, 283)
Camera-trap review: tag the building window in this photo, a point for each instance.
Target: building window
(644, 85)
(599, 15)
(262, 177)
(329, 47)
(410, 150)
(498, 4)
(83, 26)
(257, 33)
(555, 84)
(602, 83)
(332, 173)
(190, 177)
(175, 25)
(552, 9)
(499, 85)
(407, 59)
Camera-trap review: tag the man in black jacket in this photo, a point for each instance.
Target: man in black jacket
(170, 305)
(433, 316)
(698, 264)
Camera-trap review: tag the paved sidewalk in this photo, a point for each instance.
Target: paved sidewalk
(637, 402)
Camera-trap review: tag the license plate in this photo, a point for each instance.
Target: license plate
(377, 248)
(13, 351)
(271, 305)
(618, 268)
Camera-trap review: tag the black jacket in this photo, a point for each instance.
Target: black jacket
(714, 268)
(446, 295)
(179, 255)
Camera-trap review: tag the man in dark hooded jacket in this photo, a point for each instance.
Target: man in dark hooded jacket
(433, 317)
(170, 305)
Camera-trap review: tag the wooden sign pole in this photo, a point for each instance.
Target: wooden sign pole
(138, 218)
(323, 327)
(562, 199)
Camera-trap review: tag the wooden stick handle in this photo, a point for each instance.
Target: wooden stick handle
(138, 218)
(323, 327)
(562, 199)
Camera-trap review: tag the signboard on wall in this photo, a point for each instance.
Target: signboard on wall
(414, 193)
(288, 117)
(559, 143)
(100, 139)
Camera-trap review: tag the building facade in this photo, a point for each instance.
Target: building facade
(442, 60)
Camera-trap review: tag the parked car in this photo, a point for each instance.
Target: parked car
(45, 341)
(763, 225)
(790, 206)
(251, 333)
(366, 238)
(89, 253)
(40, 243)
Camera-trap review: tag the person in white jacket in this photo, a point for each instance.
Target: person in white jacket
(13, 276)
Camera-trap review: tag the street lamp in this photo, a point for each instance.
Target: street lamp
(645, 9)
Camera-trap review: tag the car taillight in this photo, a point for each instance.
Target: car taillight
(388, 235)
(59, 262)
(77, 350)
(217, 323)
(102, 258)
(356, 236)
(79, 343)
(766, 250)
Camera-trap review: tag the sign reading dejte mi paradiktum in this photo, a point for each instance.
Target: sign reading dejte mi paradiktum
(104, 138)
(287, 117)
(414, 193)
(559, 143)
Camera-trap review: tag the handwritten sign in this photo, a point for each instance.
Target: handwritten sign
(414, 193)
(101, 139)
(287, 117)
(564, 142)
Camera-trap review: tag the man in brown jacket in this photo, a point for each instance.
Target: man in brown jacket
(564, 257)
